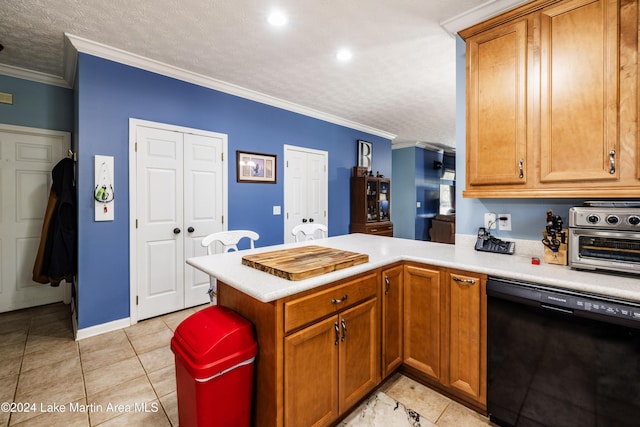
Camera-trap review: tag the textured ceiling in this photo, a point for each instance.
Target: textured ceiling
(401, 79)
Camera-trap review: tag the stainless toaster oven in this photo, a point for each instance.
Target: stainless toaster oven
(605, 236)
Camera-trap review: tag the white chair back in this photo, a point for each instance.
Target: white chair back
(307, 231)
(228, 240)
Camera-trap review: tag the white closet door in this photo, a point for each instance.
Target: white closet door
(203, 206)
(305, 188)
(27, 157)
(160, 243)
(316, 187)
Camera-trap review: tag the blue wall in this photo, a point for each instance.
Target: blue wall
(403, 192)
(427, 191)
(36, 105)
(528, 216)
(414, 180)
(109, 93)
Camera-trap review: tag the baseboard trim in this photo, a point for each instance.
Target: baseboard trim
(102, 328)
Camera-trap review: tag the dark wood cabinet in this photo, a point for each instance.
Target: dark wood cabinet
(371, 206)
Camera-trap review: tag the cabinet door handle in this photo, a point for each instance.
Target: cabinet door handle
(388, 283)
(344, 329)
(521, 168)
(612, 161)
(337, 329)
(338, 301)
(464, 281)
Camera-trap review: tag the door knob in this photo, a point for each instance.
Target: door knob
(304, 219)
(176, 230)
(191, 229)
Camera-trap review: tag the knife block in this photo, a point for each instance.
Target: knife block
(559, 257)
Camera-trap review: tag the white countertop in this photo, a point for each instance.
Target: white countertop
(386, 250)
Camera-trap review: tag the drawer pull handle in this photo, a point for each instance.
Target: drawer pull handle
(464, 281)
(521, 168)
(612, 160)
(388, 283)
(337, 329)
(344, 330)
(338, 301)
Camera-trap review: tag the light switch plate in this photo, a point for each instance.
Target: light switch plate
(277, 210)
(6, 98)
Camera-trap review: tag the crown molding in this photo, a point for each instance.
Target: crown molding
(36, 76)
(75, 44)
(433, 146)
(478, 14)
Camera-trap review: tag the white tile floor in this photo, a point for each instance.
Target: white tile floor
(100, 380)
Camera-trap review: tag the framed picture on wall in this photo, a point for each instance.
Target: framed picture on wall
(365, 154)
(255, 167)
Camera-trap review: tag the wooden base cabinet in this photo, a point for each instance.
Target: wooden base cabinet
(320, 352)
(331, 365)
(423, 327)
(466, 331)
(391, 296)
(445, 331)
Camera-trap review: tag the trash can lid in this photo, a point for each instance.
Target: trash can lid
(212, 340)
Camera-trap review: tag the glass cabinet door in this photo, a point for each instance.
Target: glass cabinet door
(372, 200)
(384, 199)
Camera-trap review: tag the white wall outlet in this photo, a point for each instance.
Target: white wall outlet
(504, 224)
(490, 222)
(418, 204)
(277, 210)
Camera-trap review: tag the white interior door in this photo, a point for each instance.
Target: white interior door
(160, 263)
(27, 157)
(203, 206)
(180, 193)
(305, 188)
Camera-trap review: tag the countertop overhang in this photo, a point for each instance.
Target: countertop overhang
(382, 251)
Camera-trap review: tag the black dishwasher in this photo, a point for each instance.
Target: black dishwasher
(561, 358)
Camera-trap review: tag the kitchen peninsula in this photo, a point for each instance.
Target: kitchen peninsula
(325, 342)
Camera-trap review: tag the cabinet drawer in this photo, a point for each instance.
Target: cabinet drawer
(382, 230)
(315, 306)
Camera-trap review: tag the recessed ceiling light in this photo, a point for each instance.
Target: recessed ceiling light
(344, 55)
(277, 19)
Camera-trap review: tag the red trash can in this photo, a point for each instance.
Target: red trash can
(214, 354)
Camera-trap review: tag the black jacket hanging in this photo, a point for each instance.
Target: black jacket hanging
(57, 256)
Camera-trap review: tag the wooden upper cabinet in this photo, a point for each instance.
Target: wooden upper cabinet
(554, 83)
(579, 91)
(497, 105)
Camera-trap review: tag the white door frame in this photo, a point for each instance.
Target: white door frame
(286, 147)
(133, 197)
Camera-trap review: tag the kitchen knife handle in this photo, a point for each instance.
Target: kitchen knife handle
(612, 161)
(521, 168)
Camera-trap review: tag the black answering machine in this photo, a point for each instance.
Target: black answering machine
(487, 243)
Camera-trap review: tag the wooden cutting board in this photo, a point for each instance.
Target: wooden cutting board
(304, 262)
